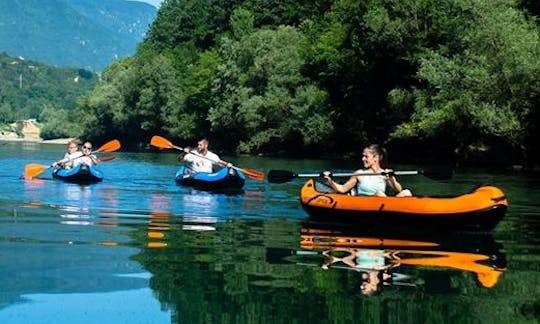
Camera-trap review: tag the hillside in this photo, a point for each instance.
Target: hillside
(79, 33)
(28, 87)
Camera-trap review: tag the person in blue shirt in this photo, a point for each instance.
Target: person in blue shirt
(372, 180)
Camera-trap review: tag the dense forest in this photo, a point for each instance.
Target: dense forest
(30, 89)
(450, 80)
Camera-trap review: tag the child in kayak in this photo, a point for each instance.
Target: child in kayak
(71, 154)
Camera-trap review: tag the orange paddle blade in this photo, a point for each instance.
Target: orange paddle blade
(161, 142)
(106, 158)
(253, 174)
(31, 170)
(110, 146)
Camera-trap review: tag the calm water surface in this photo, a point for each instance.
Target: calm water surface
(137, 248)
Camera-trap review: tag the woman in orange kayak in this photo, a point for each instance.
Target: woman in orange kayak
(372, 180)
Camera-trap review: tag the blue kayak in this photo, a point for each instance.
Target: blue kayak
(226, 179)
(81, 173)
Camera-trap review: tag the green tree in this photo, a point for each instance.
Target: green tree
(485, 86)
(101, 112)
(261, 98)
(6, 114)
(57, 123)
(241, 23)
(289, 74)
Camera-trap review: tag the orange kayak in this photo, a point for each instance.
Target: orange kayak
(480, 209)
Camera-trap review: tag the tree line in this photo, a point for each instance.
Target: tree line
(30, 89)
(448, 80)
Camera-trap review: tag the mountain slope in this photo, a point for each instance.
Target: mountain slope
(127, 18)
(81, 33)
(27, 87)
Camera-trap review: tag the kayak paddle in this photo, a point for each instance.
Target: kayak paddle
(162, 142)
(106, 158)
(33, 169)
(282, 176)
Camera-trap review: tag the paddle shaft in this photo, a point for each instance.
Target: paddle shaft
(220, 162)
(350, 174)
(162, 142)
(78, 157)
(253, 174)
(281, 176)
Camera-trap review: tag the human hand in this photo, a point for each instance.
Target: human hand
(388, 173)
(327, 175)
(229, 165)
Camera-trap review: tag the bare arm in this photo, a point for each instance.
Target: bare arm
(225, 164)
(342, 188)
(60, 162)
(392, 181)
(94, 159)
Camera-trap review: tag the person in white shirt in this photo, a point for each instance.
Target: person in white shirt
(71, 154)
(374, 158)
(87, 157)
(202, 160)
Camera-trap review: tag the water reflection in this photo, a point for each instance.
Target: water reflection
(201, 202)
(389, 259)
(244, 258)
(78, 211)
(35, 189)
(158, 225)
(237, 267)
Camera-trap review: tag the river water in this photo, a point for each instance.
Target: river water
(137, 248)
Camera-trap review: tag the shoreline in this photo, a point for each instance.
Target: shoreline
(62, 141)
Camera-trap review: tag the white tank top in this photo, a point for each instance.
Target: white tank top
(368, 185)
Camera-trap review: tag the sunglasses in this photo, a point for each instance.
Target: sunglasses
(86, 147)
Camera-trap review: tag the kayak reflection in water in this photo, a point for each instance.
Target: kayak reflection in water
(359, 258)
(373, 281)
(374, 264)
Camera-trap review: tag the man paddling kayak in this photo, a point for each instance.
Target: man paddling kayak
(202, 160)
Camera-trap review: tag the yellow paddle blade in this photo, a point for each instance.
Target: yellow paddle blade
(253, 174)
(161, 142)
(32, 170)
(110, 146)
